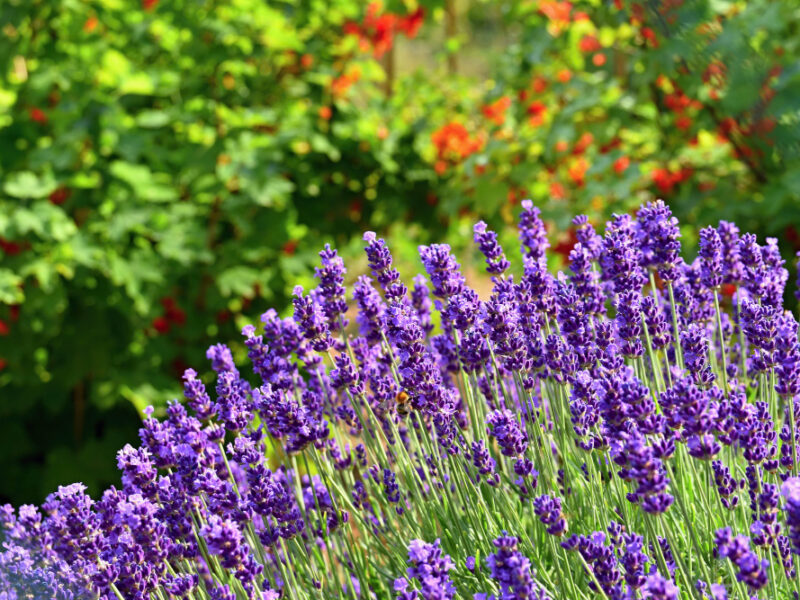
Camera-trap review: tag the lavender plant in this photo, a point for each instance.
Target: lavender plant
(624, 430)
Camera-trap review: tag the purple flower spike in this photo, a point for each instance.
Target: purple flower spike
(429, 570)
(309, 317)
(549, 512)
(658, 588)
(711, 258)
(443, 270)
(512, 572)
(659, 238)
(496, 262)
(532, 232)
(331, 286)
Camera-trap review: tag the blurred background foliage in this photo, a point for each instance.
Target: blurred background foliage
(169, 170)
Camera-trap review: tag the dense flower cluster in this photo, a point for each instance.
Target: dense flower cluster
(620, 430)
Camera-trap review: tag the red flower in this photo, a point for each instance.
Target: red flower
(38, 115)
(666, 180)
(60, 195)
(557, 191)
(683, 122)
(411, 23)
(621, 164)
(377, 30)
(3, 363)
(614, 143)
(177, 316)
(557, 12)
(341, 84)
(454, 143)
(650, 35)
(583, 143)
(91, 24)
(161, 325)
(663, 180)
(3, 327)
(564, 246)
(9, 247)
(589, 43)
(325, 112)
(290, 247)
(149, 5)
(496, 111)
(536, 112)
(577, 171)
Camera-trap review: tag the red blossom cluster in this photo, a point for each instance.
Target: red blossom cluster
(10, 247)
(5, 327)
(342, 83)
(376, 32)
(38, 115)
(537, 111)
(173, 315)
(453, 144)
(682, 106)
(496, 111)
(60, 195)
(666, 180)
(560, 14)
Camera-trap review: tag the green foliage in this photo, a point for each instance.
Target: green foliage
(168, 170)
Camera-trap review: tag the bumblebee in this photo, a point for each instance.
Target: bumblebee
(402, 403)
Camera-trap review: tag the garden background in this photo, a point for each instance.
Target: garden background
(169, 170)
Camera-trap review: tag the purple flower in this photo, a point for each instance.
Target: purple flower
(732, 265)
(587, 236)
(370, 308)
(196, 395)
(496, 262)
(331, 286)
(532, 232)
(512, 572)
(752, 570)
(443, 270)
(380, 262)
(791, 506)
(549, 512)
(659, 239)
(309, 317)
(711, 258)
(225, 540)
(505, 428)
(221, 359)
(429, 569)
(620, 260)
(658, 588)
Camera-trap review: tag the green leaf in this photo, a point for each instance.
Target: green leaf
(27, 184)
(145, 184)
(151, 119)
(237, 281)
(10, 287)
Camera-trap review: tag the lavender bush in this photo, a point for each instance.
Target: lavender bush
(622, 430)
